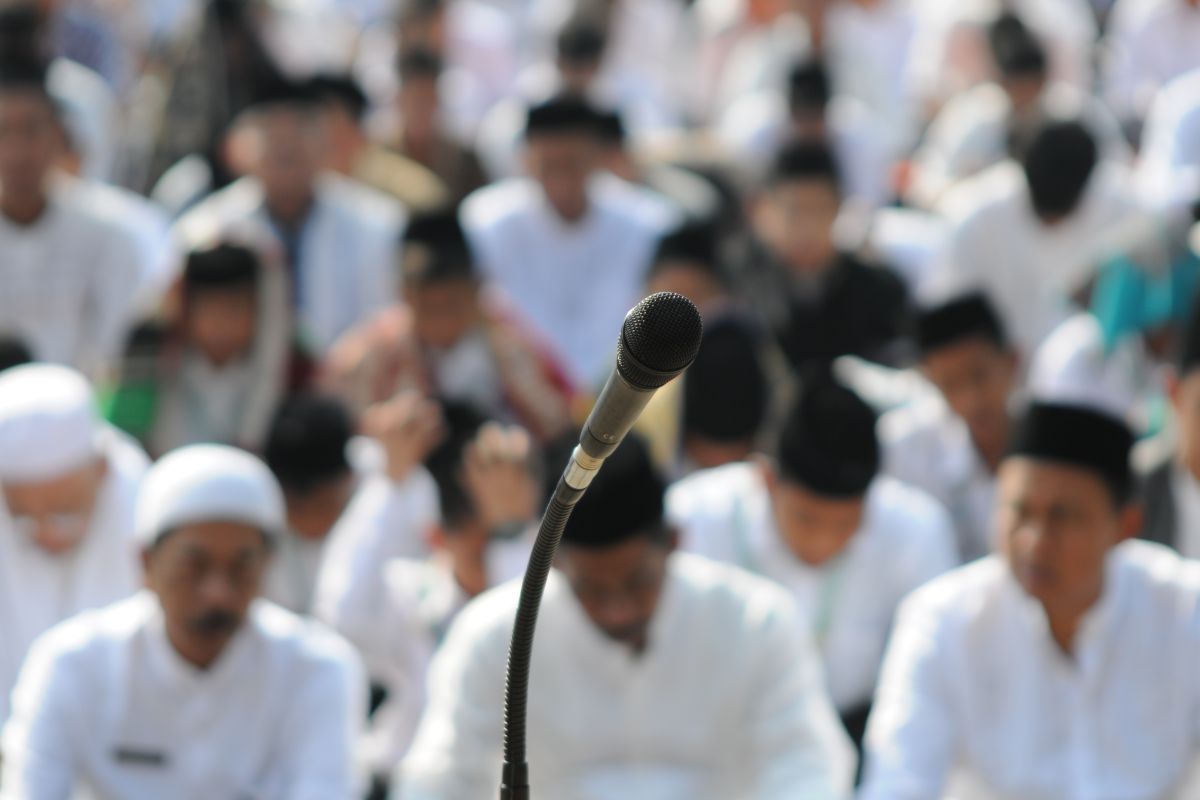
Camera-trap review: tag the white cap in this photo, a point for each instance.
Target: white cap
(49, 424)
(208, 483)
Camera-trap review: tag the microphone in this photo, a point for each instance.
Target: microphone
(659, 340)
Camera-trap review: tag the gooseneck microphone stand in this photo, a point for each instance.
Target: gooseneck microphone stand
(659, 340)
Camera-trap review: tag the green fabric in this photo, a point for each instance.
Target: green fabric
(131, 406)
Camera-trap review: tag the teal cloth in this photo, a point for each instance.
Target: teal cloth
(1129, 299)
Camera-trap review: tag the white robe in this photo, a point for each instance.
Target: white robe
(394, 604)
(846, 605)
(977, 701)
(1028, 270)
(347, 250)
(38, 590)
(106, 704)
(725, 702)
(574, 283)
(927, 446)
(1169, 164)
(69, 282)
(1150, 42)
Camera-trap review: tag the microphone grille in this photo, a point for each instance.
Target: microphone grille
(659, 339)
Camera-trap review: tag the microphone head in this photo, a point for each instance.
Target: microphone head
(659, 340)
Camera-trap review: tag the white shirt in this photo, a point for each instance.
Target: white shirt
(846, 605)
(377, 588)
(725, 701)
(1150, 43)
(1169, 165)
(150, 228)
(977, 700)
(347, 250)
(107, 704)
(927, 446)
(70, 280)
(39, 590)
(1030, 270)
(868, 45)
(573, 282)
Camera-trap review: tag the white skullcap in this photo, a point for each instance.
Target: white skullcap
(49, 424)
(208, 483)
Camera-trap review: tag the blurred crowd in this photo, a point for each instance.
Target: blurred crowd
(350, 274)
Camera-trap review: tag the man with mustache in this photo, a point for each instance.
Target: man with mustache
(192, 688)
(1064, 666)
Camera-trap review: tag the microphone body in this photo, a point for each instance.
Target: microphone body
(659, 340)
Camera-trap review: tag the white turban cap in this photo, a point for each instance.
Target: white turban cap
(49, 424)
(208, 483)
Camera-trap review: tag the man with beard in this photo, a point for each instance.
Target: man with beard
(192, 688)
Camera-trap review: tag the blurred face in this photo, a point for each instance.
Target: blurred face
(418, 102)
(466, 546)
(578, 77)
(562, 164)
(443, 312)
(691, 281)
(618, 586)
(1185, 399)
(55, 514)
(205, 576)
(1023, 91)
(344, 139)
(975, 377)
(1056, 524)
(814, 527)
(706, 453)
(221, 323)
(311, 514)
(285, 152)
(795, 221)
(29, 143)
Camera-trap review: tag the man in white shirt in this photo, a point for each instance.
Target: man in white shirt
(396, 611)
(653, 675)
(817, 519)
(70, 273)
(950, 444)
(757, 125)
(973, 130)
(569, 245)
(192, 688)
(1062, 667)
(1031, 233)
(338, 237)
(67, 488)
